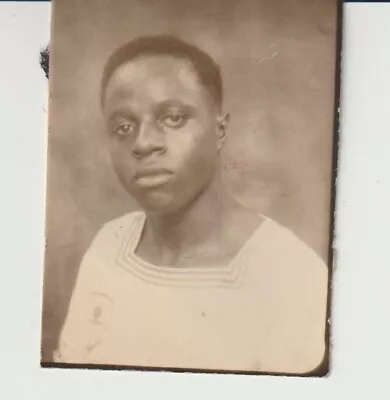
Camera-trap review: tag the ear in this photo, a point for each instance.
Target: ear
(222, 122)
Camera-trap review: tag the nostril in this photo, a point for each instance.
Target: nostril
(148, 140)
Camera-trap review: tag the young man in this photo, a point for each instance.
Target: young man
(195, 280)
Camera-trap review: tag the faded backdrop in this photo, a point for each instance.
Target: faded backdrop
(278, 60)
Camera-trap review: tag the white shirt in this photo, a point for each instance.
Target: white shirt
(265, 311)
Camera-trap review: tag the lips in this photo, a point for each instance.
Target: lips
(152, 176)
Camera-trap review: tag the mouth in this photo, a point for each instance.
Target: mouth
(152, 177)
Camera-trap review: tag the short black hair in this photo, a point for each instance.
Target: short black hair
(207, 69)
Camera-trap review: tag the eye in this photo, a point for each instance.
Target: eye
(174, 120)
(125, 129)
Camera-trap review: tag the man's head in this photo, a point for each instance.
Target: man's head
(207, 70)
(162, 102)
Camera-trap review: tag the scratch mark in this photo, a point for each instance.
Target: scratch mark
(267, 58)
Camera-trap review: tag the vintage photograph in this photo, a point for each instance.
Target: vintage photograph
(190, 185)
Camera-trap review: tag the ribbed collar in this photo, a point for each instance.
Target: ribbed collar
(230, 275)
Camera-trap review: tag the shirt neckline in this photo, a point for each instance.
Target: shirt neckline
(230, 275)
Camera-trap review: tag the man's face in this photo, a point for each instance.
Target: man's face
(163, 132)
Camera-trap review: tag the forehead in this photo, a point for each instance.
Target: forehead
(155, 77)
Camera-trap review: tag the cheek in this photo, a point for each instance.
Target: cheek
(196, 149)
(121, 159)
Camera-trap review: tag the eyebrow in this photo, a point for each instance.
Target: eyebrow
(175, 103)
(125, 111)
(121, 113)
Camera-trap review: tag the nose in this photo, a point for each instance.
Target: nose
(149, 140)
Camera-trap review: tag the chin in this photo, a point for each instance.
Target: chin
(159, 203)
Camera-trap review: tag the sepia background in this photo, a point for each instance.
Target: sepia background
(278, 60)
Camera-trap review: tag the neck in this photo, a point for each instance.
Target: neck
(190, 232)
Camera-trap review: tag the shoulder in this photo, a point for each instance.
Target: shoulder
(107, 245)
(122, 223)
(119, 227)
(301, 279)
(286, 246)
(294, 264)
(111, 236)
